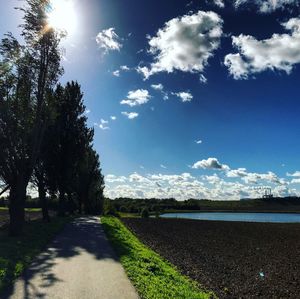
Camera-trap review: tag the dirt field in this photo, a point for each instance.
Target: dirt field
(234, 259)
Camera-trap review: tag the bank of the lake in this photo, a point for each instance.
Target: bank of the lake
(238, 216)
(234, 259)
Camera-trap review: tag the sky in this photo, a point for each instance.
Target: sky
(193, 99)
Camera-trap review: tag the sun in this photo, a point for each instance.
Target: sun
(62, 16)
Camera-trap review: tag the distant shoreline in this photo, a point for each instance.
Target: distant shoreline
(230, 211)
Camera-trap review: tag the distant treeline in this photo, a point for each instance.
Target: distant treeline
(130, 205)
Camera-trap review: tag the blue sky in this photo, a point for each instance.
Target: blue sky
(159, 77)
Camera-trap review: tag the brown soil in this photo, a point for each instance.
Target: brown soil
(234, 259)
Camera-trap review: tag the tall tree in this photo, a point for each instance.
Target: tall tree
(70, 138)
(90, 183)
(27, 73)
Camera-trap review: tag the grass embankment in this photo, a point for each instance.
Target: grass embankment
(153, 277)
(17, 252)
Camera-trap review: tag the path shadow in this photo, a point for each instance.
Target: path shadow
(83, 234)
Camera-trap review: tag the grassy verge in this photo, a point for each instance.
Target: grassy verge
(17, 252)
(153, 277)
(26, 209)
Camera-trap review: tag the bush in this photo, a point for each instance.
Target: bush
(145, 213)
(109, 208)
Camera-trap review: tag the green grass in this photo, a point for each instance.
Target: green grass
(152, 276)
(26, 209)
(128, 215)
(17, 252)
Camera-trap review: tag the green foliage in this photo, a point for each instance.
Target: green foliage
(17, 252)
(109, 208)
(153, 277)
(145, 213)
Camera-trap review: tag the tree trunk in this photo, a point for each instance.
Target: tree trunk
(17, 196)
(62, 202)
(70, 204)
(43, 200)
(80, 204)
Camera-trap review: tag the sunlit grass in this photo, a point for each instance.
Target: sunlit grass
(152, 276)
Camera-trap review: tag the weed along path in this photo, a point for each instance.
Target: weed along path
(78, 264)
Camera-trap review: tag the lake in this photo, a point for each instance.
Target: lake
(246, 217)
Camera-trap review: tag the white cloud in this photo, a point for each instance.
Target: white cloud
(163, 166)
(210, 163)
(113, 178)
(184, 96)
(130, 115)
(266, 6)
(104, 127)
(295, 174)
(295, 181)
(113, 117)
(219, 3)
(185, 186)
(254, 178)
(184, 43)
(136, 97)
(202, 79)
(157, 86)
(103, 122)
(116, 73)
(124, 68)
(87, 111)
(198, 141)
(280, 52)
(234, 173)
(108, 40)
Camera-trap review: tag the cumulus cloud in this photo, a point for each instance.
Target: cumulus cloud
(108, 40)
(280, 52)
(198, 141)
(235, 173)
(254, 178)
(157, 86)
(136, 97)
(185, 186)
(184, 43)
(295, 174)
(163, 166)
(184, 96)
(266, 6)
(130, 115)
(210, 163)
(113, 117)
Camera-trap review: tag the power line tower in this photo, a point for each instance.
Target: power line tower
(268, 193)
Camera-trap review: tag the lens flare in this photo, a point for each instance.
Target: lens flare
(62, 16)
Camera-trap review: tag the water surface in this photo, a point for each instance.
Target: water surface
(247, 217)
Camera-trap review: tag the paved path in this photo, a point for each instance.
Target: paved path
(79, 264)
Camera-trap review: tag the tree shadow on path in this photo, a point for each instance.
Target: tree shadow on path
(84, 234)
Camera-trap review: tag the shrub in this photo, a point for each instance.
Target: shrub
(145, 213)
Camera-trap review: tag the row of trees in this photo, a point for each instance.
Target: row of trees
(44, 138)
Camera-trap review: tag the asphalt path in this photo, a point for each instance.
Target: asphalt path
(79, 263)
